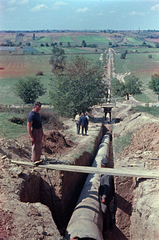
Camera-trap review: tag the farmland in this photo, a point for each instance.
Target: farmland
(25, 56)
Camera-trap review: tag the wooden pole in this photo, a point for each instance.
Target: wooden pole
(133, 172)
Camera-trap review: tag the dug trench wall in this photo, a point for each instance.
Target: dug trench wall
(59, 190)
(137, 208)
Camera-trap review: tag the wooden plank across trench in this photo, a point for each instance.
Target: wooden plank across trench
(97, 170)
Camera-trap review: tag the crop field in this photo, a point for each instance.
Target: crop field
(93, 39)
(140, 65)
(46, 50)
(43, 40)
(134, 40)
(22, 65)
(24, 61)
(18, 66)
(30, 50)
(138, 62)
(66, 39)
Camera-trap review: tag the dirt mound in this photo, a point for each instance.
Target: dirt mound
(55, 143)
(145, 139)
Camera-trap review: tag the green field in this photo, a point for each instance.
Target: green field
(43, 40)
(134, 40)
(46, 50)
(11, 130)
(35, 58)
(66, 39)
(93, 39)
(140, 65)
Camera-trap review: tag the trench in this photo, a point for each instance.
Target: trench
(60, 190)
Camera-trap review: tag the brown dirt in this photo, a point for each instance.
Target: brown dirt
(55, 143)
(144, 152)
(19, 220)
(62, 145)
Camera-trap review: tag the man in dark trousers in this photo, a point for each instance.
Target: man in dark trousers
(84, 124)
(106, 194)
(34, 127)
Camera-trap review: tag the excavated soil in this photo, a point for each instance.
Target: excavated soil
(27, 194)
(55, 143)
(137, 208)
(31, 219)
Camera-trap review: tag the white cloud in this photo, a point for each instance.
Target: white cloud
(38, 7)
(60, 4)
(112, 11)
(13, 2)
(137, 13)
(100, 14)
(83, 10)
(12, 9)
(155, 8)
(57, 5)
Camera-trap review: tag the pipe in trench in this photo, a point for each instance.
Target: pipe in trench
(87, 218)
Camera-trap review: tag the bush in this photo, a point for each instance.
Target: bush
(39, 73)
(29, 89)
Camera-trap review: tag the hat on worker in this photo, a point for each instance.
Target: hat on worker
(104, 162)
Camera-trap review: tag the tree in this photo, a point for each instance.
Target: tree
(132, 86)
(157, 45)
(154, 84)
(123, 55)
(57, 59)
(84, 43)
(118, 88)
(78, 87)
(29, 89)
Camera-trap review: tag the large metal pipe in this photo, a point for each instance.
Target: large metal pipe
(87, 218)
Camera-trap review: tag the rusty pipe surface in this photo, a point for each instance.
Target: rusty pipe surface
(87, 218)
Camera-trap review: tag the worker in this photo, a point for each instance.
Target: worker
(77, 121)
(106, 194)
(107, 110)
(34, 127)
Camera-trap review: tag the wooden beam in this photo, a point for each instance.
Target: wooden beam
(83, 169)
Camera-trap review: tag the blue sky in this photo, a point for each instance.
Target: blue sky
(79, 15)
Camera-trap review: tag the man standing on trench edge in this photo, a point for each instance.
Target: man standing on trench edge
(34, 127)
(84, 124)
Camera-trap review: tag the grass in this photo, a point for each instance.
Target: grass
(151, 110)
(8, 97)
(93, 39)
(121, 143)
(11, 130)
(43, 39)
(66, 39)
(46, 50)
(143, 98)
(10, 119)
(134, 40)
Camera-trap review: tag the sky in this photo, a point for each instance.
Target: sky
(79, 15)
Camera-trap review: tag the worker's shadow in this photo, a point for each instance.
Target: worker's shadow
(123, 204)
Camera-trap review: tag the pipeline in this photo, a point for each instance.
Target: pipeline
(87, 218)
